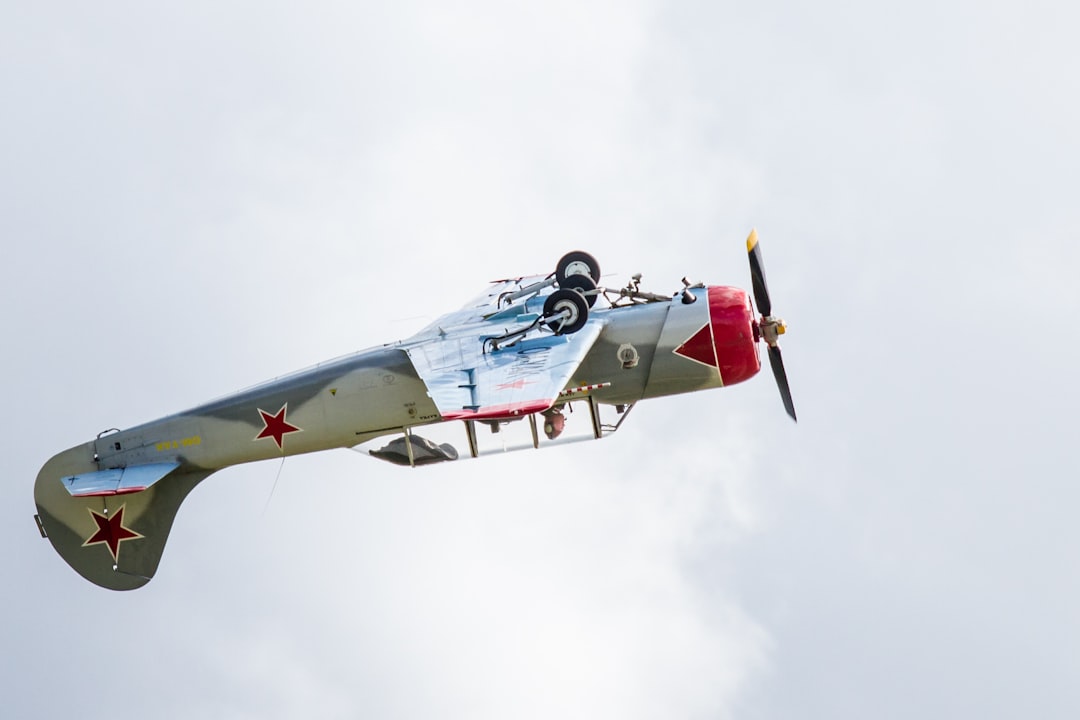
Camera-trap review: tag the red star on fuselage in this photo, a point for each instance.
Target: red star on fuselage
(275, 426)
(111, 532)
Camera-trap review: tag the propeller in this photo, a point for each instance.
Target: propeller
(771, 327)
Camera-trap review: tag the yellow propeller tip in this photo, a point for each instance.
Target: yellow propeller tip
(751, 241)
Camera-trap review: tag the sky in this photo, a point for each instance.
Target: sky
(195, 198)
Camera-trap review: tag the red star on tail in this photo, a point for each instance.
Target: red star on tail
(275, 426)
(111, 532)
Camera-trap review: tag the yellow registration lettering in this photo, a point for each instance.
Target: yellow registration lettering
(174, 444)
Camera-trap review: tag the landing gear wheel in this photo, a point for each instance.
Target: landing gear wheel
(577, 263)
(566, 311)
(582, 284)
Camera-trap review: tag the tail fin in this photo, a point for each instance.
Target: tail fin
(115, 538)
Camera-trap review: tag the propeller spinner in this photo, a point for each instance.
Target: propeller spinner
(771, 327)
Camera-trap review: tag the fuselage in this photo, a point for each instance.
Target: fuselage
(676, 348)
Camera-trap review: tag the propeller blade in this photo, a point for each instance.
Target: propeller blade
(771, 327)
(777, 362)
(757, 275)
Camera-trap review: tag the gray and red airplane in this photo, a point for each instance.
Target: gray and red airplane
(503, 373)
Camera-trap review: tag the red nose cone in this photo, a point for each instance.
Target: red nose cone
(732, 320)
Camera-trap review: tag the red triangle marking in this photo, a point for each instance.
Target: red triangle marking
(700, 348)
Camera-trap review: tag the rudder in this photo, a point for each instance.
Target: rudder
(112, 540)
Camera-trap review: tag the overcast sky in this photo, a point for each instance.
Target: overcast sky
(198, 197)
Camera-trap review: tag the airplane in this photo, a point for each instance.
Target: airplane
(508, 369)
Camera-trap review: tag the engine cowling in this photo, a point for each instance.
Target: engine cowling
(727, 341)
(734, 333)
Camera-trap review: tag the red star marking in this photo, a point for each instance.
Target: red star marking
(515, 385)
(275, 426)
(111, 532)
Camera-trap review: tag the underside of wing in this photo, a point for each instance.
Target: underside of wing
(469, 381)
(498, 296)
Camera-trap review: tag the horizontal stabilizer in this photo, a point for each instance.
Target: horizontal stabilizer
(117, 481)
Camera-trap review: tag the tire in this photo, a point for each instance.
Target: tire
(582, 284)
(566, 310)
(577, 263)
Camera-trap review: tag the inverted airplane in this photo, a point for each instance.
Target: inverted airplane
(505, 372)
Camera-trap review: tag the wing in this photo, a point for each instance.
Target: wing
(495, 300)
(467, 383)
